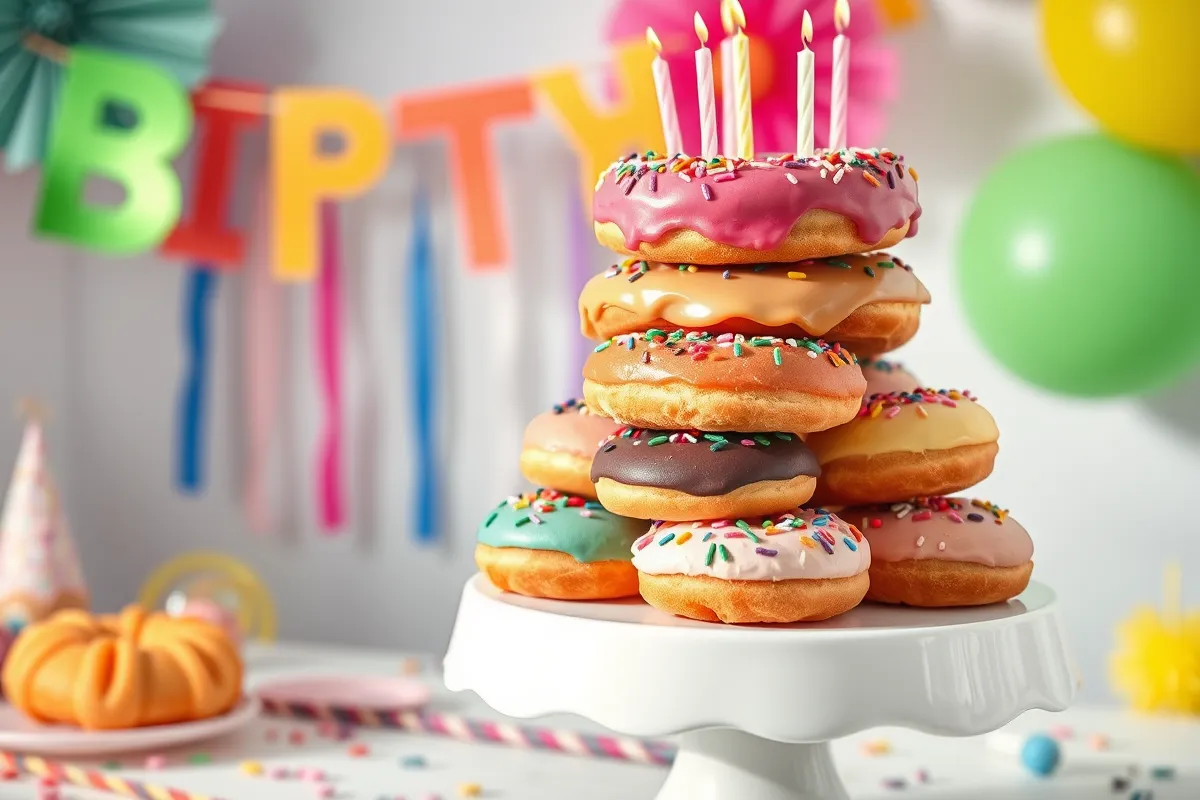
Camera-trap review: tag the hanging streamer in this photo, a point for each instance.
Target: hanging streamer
(330, 492)
(422, 319)
(579, 243)
(199, 287)
(260, 370)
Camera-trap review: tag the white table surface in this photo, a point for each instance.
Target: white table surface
(958, 767)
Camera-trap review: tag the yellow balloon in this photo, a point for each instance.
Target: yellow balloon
(1133, 64)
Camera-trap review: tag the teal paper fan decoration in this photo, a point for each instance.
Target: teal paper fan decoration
(35, 35)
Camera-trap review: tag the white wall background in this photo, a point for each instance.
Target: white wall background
(1103, 487)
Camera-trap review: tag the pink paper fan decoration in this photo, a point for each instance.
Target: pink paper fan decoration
(774, 30)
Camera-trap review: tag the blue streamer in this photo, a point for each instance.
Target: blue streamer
(199, 287)
(422, 319)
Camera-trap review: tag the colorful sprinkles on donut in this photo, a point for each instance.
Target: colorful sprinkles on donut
(545, 501)
(891, 403)
(877, 166)
(812, 534)
(635, 268)
(715, 441)
(956, 509)
(701, 345)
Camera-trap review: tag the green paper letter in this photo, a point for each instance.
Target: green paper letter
(138, 158)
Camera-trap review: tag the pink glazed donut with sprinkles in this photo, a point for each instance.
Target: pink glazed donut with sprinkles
(935, 552)
(732, 211)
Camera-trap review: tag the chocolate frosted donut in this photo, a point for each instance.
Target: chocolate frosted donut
(870, 303)
(682, 380)
(685, 475)
(686, 210)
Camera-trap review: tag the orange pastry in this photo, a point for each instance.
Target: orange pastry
(870, 303)
(122, 671)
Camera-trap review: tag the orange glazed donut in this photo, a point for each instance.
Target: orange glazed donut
(122, 671)
(870, 303)
(684, 210)
(920, 443)
(558, 447)
(682, 380)
(944, 551)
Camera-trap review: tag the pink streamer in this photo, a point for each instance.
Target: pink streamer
(261, 372)
(331, 508)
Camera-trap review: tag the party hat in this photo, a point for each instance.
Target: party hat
(39, 567)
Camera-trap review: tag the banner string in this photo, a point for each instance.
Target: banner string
(422, 317)
(199, 288)
(330, 489)
(260, 370)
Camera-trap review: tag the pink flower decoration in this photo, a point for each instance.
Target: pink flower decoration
(774, 30)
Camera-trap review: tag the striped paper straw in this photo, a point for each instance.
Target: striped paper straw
(623, 748)
(91, 779)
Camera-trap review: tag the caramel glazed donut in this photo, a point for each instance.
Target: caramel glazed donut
(870, 303)
(921, 443)
(681, 380)
(802, 566)
(944, 551)
(686, 210)
(549, 544)
(684, 475)
(558, 446)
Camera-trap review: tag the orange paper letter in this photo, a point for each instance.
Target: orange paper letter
(223, 108)
(302, 176)
(465, 116)
(603, 135)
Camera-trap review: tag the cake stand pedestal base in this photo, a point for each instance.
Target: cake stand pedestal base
(726, 763)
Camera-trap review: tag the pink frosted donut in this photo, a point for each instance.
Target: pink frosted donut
(885, 377)
(944, 551)
(683, 210)
(558, 446)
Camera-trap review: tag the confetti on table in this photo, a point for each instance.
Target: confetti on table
(251, 768)
(1062, 732)
(358, 750)
(158, 762)
(470, 790)
(413, 762)
(296, 736)
(199, 758)
(1162, 773)
(1098, 742)
(876, 747)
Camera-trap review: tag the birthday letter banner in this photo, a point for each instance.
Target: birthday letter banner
(302, 177)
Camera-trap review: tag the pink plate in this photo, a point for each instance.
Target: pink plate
(377, 693)
(21, 734)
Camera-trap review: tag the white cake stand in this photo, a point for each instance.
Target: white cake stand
(758, 705)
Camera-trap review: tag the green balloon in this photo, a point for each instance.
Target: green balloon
(1078, 266)
(82, 145)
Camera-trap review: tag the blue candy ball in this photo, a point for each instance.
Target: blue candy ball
(1041, 755)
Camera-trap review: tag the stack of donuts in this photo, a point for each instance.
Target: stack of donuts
(786, 471)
